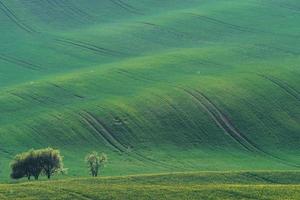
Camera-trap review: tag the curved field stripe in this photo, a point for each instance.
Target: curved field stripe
(220, 120)
(162, 29)
(21, 63)
(90, 47)
(70, 9)
(126, 7)
(223, 23)
(103, 132)
(11, 15)
(101, 129)
(224, 123)
(284, 86)
(66, 91)
(277, 49)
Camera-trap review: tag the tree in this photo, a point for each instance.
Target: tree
(32, 164)
(36, 162)
(26, 165)
(95, 161)
(51, 161)
(19, 168)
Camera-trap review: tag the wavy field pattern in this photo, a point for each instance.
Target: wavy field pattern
(159, 86)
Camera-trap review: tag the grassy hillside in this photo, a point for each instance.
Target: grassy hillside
(205, 185)
(160, 86)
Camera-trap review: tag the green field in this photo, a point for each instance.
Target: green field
(159, 86)
(204, 185)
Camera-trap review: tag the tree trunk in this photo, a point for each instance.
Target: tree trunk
(48, 176)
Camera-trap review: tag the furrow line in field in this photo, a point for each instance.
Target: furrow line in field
(18, 95)
(259, 178)
(238, 136)
(162, 29)
(289, 7)
(71, 9)
(4, 151)
(229, 25)
(106, 133)
(99, 50)
(11, 15)
(113, 142)
(134, 121)
(178, 112)
(66, 91)
(76, 194)
(20, 63)
(269, 47)
(283, 85)
(98, 132)
(80, 12)
(59, 4)
(134, 77)
(223, 122)
(126, 7)
(28, 98)
(218, 119)
(51, 3)
(228, 123)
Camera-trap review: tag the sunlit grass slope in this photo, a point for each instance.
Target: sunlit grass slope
(159, 86)
(205, 185)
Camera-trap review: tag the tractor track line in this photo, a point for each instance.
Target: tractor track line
(162, 29)
(87, 46)
(112, 141)
(64, 8)
(28, 98)
(99, 133)
(218, 120)
(225, 125)
(239, 137)
(97, 47)
(104, 132)
(229, 25)
(20, 63)
(71, 9)
(284, 86)
(174, 108)
(81, 12)
(259, 178)
(76, 194)
(269, 47)
(126, 7)
(66, 91)
(134, 77)
(103, 53)
(10, 14)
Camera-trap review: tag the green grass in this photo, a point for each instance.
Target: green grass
(159, 86)
(204, 185)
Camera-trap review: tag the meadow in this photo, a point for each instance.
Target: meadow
(204, 185)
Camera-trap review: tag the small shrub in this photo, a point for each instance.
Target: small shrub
(95, 161)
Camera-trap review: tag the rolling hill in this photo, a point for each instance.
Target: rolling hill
(160, 86)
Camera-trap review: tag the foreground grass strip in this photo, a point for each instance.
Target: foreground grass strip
(188, 186)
